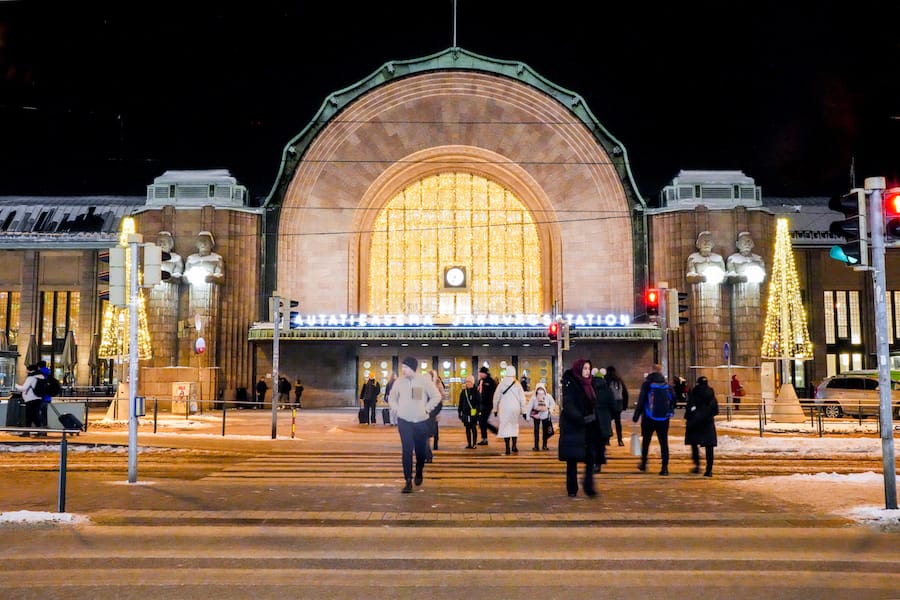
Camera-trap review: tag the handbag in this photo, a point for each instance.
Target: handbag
(635, 442)
(535, 413)
(548, 427)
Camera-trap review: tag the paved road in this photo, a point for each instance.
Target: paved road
(321, 516)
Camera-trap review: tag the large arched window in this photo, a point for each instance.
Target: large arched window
(454, 220)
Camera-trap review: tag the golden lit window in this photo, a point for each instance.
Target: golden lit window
(455, 220)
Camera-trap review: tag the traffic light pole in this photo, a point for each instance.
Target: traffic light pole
(276, 301)
(662, 321)
(875, 185)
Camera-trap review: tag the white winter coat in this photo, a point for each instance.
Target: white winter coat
(509, 406)
(27, 388)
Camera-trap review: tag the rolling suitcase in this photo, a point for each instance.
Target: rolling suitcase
(386, 415)
(363, 416)
(68, 420)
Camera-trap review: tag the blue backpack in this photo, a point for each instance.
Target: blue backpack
(660, 404)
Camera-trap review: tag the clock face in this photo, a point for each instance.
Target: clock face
(455, 277)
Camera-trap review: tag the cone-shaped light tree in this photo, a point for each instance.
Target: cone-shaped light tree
(785, 336)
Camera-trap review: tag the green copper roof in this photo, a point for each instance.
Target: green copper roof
(451, 59)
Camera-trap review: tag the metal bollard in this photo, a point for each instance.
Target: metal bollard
(223, 419)
(155, 413)
(61, 490)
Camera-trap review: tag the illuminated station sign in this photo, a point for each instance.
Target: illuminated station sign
(467, 321)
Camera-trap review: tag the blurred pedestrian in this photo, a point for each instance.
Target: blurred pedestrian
(654, 408)
(413, 396)
(261, 389)
(604, 416)
(32, 399)
(737, 391)
(540, 411)
(467, 408)
(620, 399)
(509, 407)
(369, 396)
(387, 392)
(298, 392)
(284, 392)
(433, 415)
(700, 424)
(486, 387)
(578, 426)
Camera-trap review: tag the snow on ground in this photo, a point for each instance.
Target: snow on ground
(856, 496)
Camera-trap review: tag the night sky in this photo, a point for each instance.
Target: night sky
(102, 98)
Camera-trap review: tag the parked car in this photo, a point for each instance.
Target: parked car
(855, 393)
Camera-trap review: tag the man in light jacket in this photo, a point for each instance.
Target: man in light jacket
(32, 399)
(413, 396)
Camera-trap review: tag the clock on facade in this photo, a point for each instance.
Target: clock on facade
(455, 277)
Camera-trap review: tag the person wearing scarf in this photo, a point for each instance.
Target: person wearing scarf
(578, 425)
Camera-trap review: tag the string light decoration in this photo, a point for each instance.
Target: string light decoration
(785, 335)
(116, 320)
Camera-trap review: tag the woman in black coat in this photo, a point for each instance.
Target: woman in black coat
(700, 424)
(578, 426)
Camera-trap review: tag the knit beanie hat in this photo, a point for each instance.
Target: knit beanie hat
(484, 370)
(411, 362)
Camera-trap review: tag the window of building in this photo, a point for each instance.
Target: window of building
(59, 315)
(455, 219)
(9, 316)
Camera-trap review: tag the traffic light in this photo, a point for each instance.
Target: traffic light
(891, 204)
(677, 305)
(553, 331)
(117, 276)
(293, 315)
(275, 311)
(853, 229)
(651, 302)
(153, 259)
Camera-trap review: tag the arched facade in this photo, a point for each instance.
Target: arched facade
(440, 121)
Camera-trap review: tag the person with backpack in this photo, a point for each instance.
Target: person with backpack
(655, 406)
(486, 387)
(620, 399)
(47, 389)
(31, 389)
(700, 424)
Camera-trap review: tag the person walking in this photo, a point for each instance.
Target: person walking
(369, 395)
(298, 392)
(486, 388)
(47, 399)
(737, 391)
(654, 409)
(284, 392)
(261, 389)
(539, 409)
(467, 408)
(509, 406)
(433, 415)
(620, 399)
(700, 424)
(387, 392)
(413, 396)
(578, 426)
(604, 417)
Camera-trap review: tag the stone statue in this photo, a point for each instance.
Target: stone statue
(175, 265)
(213, 264)
(705, 266)
(743, 265)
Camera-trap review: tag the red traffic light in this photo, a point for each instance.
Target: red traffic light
(891, 204)
(553, 331)
(651, 302)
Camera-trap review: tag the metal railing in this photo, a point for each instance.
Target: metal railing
(63, 457)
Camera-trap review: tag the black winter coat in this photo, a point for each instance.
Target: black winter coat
(468, 399)
(605, 405)
(488, 386)
(700, 417)
(572, 430)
